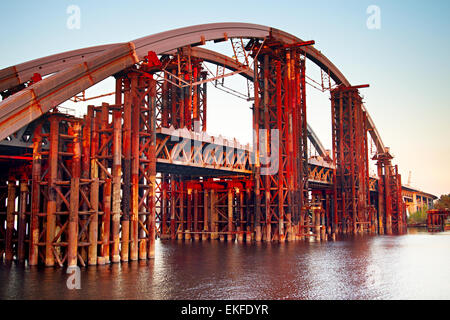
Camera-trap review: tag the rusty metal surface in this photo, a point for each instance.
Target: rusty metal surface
(165, 42)
(218, 58)
(23, 107)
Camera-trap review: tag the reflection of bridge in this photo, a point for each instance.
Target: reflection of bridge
(103, 187)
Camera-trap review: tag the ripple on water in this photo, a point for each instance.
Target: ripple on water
(412, 266)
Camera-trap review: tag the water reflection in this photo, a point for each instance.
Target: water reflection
(413, 266)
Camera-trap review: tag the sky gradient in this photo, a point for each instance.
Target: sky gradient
(406, 62)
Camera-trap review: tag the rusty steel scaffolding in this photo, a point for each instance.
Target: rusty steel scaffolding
(103, 188)
(179, 103)
(391, 208)
(93, 188)
(350, 154)
(280, 108)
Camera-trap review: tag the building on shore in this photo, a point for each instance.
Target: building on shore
(416, 200)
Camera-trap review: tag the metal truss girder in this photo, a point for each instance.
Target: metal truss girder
(205, 153)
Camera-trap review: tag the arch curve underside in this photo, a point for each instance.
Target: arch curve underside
(74, 71)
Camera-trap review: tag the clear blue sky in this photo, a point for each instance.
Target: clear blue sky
(406, 62)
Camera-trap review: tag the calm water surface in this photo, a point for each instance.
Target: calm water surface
(413, 266)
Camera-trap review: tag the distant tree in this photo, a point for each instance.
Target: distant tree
(420, 216)
(443, 202)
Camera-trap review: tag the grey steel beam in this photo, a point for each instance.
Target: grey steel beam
(231, 64)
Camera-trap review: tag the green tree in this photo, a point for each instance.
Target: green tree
(420, 216)
(443, 202)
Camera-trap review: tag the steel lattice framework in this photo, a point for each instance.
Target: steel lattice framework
(349, 133)
(102, 188)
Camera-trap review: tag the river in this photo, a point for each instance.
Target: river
(411, 266)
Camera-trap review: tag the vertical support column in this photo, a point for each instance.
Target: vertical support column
(89, 170)
(366, 208)
(181, 209)
(10, 216)
(165, 102)
(267, 184)
(151, 219)
(129, 101)
(204, 101)
(196, 234)
(401, 209)
(173, 223)
(334, 210)
(134, 131)
(116, 183)
(290, 111)
(214, 215)
(390, 193)
(335, 220)
(249, 214)
(164, 209)
(72, 250)
(195, 91)
(100, 124)
(106, 220)
(3, 201)
(277, 92)
(230, 236)
(316, 223)
(257, 201)
(303, 148)
(22, 222)
(388, 199)
(257, 164)
(51, 203)
(35, 195)
(352, 135)
(349, 148)
(205, 215)
(66, 160)
(241, 227)
(328, 212)
(323, 234)
(340, 143)
(281, 125)
(381, 197)
(189, 214)
(298, 161)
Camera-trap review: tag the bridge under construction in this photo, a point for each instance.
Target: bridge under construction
(102, 187)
